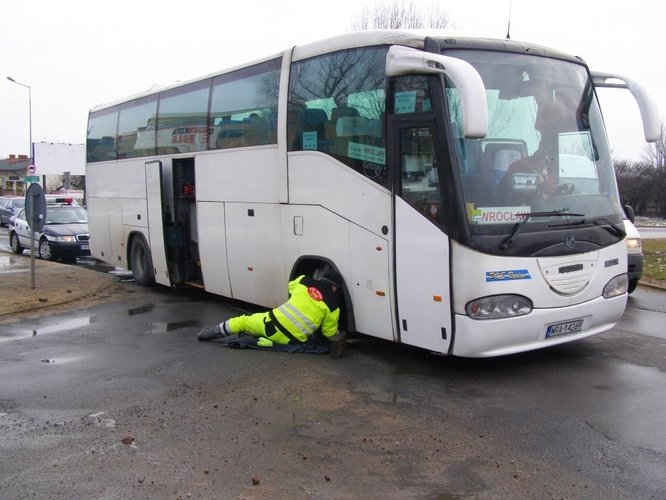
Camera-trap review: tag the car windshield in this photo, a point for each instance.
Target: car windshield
(546, 149)
(66, 215)
(15, 203)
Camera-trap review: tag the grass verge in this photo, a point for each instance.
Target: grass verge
(654, 259)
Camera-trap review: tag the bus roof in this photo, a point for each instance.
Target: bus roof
(408, 38)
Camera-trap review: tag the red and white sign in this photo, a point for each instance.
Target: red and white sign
(315, 294)
(32, 169)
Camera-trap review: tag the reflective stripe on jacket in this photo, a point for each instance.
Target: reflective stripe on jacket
(311, 305)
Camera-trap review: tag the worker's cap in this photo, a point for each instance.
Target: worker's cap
(328, 275)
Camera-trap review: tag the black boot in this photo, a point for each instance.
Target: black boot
(211, 333)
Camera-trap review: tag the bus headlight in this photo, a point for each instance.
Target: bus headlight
(499, 306)
(616, 286)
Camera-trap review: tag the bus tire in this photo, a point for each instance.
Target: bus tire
(141, 263)
(307, 264)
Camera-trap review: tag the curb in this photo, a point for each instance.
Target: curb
(652, 283)
(56, 284)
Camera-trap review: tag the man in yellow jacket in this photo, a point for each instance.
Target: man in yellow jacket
(313, 306)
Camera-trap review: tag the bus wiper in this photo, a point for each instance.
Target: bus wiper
(610, 226)
(614, 228)
(508, 241)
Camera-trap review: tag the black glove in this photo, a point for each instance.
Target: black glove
(337, 344)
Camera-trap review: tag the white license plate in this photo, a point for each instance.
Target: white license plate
(85, 247)
(564, 328)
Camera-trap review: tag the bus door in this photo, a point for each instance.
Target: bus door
(155, 222)
(182, 225)
(421, 246)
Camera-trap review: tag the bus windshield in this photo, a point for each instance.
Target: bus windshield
(546, 149)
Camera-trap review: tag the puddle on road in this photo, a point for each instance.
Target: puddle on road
(8, 264)
(161, 327)
(60, 325)
(71, 324)
(59, 361)
(8, 260)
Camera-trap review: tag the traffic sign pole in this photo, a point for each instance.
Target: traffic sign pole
(35, 211)
(32, 259)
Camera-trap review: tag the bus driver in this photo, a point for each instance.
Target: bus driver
(539, 169)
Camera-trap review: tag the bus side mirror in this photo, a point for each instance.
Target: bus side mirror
(646, 103)
(407, 61)
(629, 210)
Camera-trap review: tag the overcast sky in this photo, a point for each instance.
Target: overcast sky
(75, 55)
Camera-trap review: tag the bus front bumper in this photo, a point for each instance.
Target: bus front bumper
(541, 328)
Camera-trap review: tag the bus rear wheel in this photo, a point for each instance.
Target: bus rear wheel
(141, 263)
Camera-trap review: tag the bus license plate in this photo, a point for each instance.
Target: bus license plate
(564, 328)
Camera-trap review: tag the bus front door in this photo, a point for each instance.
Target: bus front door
(421, 247)
(154, 199)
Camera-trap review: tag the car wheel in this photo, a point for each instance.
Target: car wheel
(141, 263)
(14, 243)
(45, 250)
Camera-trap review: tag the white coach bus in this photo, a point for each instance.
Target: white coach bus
(463, 187)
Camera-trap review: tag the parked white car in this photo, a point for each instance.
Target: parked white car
(64, 235)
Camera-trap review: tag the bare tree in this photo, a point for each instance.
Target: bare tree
(401, 14)
(643, 184)
(655, 155)
(635, 180)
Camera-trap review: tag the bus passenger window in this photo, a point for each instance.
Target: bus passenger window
(418, 173)
(337, 106)
(101, 140)
(181, 123)
(136, 128)
(243, 108)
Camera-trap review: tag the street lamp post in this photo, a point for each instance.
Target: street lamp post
(30, 150)
(32, 160)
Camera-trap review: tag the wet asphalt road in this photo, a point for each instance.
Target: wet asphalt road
(122, 401)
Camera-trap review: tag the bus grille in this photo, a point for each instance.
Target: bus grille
(568, 277)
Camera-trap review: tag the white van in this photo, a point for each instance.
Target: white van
(635, 254)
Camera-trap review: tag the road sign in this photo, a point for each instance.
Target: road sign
(35, 213)
(32, 169)
(35, 207)
(31, 178)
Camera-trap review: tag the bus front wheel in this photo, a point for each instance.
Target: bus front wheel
(141, 263)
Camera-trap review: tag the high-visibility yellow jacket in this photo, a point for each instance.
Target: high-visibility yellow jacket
(312, 305)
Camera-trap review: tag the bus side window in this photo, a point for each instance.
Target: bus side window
(136, 137)
(243, 106)
(102, 130)
(337, 105)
